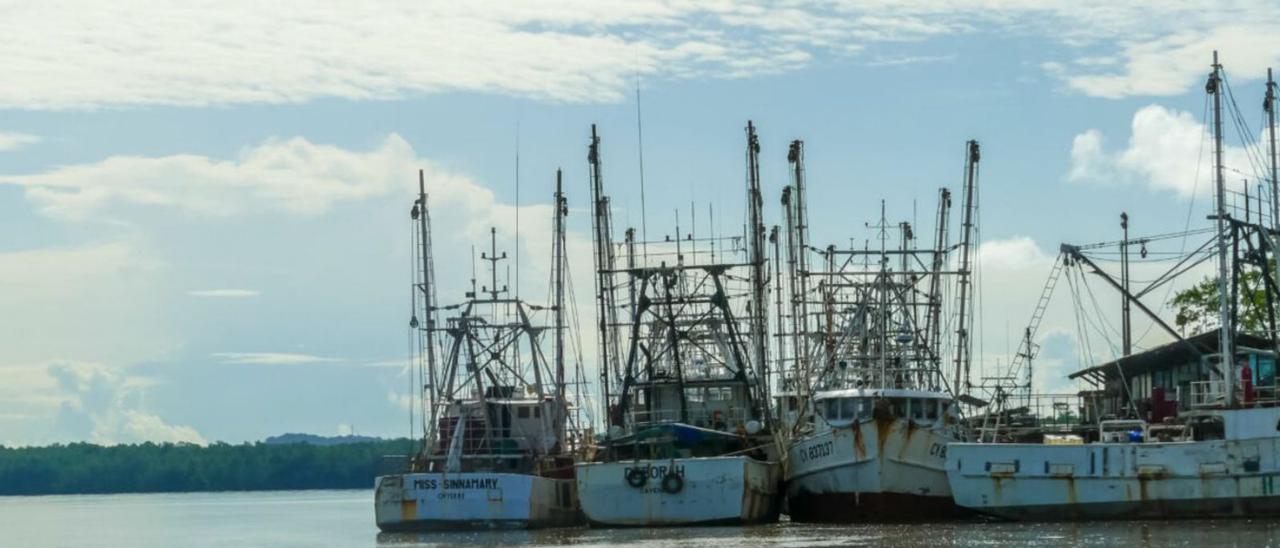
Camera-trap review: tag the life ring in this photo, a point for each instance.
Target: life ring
(672, 483)
(637, 477)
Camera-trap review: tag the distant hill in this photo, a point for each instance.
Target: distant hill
(318, 440)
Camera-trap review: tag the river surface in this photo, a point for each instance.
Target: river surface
(345, 519)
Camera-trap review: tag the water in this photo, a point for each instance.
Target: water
(345, 519)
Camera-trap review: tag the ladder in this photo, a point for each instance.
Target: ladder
(1027, 351)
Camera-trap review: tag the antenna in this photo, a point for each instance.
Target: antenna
(644, 218)
(517, 239)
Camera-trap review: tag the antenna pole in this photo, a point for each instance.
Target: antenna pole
(1227, 329)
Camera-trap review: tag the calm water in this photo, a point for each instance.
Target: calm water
(345, 518)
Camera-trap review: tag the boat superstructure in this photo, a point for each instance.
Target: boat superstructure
(871, 346)
(1189, 429)
(497, 447)
(683, 337)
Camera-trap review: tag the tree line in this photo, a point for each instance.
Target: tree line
(85, 468)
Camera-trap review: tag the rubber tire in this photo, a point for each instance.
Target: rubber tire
(672, 483)
(637, 477)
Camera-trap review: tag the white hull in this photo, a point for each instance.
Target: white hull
(713, 490)
(1236, 478)
(425, 501)
(873, 470)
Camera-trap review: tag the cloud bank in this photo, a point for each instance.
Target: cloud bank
(85, 55)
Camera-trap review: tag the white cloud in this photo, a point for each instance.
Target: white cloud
(108, 406)
(15, 141)
(295, 176)
(1168, 150)
(271, 358)
(1174, 63)
(72, 55)
(223, 293)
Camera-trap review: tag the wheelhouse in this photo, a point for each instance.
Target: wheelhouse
(844, 407)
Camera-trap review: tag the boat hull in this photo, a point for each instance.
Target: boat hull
(713, 491)
(874, 470)
(474, 500)
(1207, 479)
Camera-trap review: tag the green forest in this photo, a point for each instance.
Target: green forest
(84, 468)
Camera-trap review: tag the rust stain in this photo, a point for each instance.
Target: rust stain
(911, 429)
(408, 510)
(1071, 490)
(882, 428)
(1142, 488)
(859, 446)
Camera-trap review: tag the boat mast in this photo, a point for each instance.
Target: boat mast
(1269, 105)
(934, 331)
(428, 293)
(561, 210)
(795, 156)
(963, 343)
(756, 234)
(1225, 332)
(1126, 325)
(604, 268)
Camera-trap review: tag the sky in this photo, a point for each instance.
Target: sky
(204, 205)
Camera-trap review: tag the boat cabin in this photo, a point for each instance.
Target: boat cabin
(839, 408)
(1174, 378)
(503, 432)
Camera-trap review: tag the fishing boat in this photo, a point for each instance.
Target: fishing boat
(869, 364)
(1186, 430)
(497, 448)
(689, 438)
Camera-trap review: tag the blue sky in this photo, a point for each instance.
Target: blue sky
(204, 208)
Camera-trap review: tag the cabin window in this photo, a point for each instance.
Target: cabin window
(848, 408)
(900, 407)
(537, 412)
(918, 407)
(832, 411)
(931, 409)
(865, 406)
(522, 412)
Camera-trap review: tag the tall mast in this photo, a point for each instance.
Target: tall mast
(1227, 329)
(1269, 105)
(604, 267)
(756, 234)
(800, 292)
(963, 343)
(935, 279)
(561, 210)
(428, 292)
(1126, 325)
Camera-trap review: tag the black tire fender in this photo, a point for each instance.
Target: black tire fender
(672, 483)
(637, 477)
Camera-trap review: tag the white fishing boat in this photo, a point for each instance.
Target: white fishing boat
(497, 450)
(876, 414)
(874, 455)
(689, 439)
(1186, 430)
(1218, 463)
